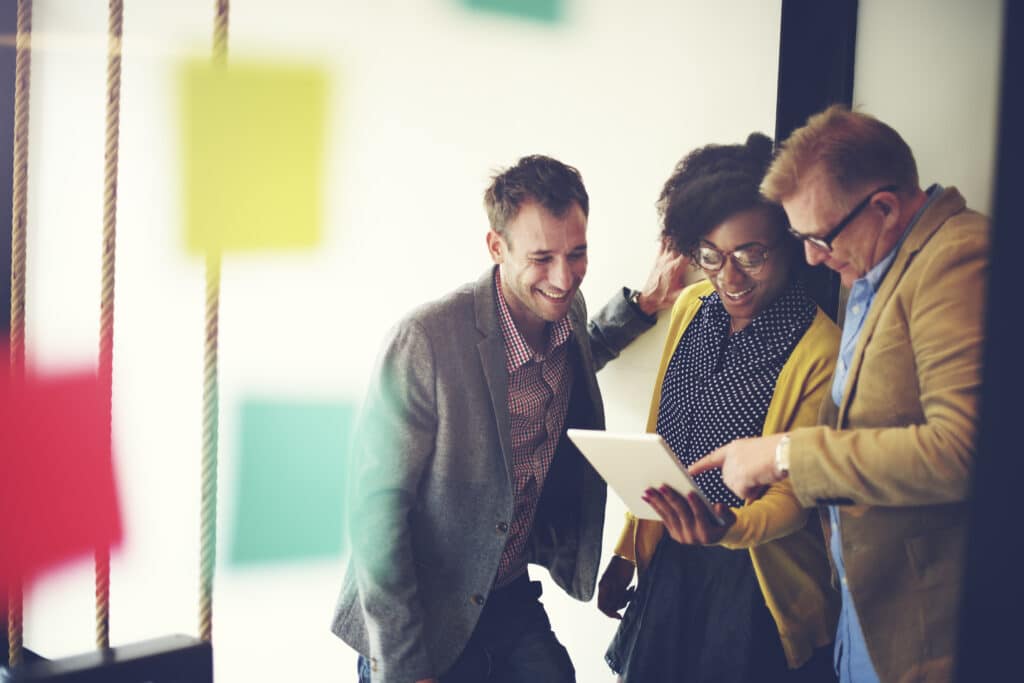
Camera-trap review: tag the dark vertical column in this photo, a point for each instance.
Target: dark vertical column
(8, 28)
(993, 595)
(816, 53)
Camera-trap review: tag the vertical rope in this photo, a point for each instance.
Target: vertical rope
(19, 220)
(208, 513)
(106, 360)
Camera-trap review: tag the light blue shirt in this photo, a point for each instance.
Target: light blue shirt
(852, 661)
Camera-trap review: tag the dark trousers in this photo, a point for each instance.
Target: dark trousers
(512, 643)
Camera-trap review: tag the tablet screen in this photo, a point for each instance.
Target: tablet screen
(631, 463)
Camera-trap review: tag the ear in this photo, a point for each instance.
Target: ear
(888, 203)
(496, 246)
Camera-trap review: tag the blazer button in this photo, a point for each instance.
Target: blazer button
(477, 599)
(502, 528)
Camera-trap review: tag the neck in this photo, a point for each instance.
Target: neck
(737, 324)
(536, 335)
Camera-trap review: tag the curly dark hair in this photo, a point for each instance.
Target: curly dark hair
(712, 183)
(535, 178)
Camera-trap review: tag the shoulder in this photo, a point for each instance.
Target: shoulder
(452, 309)
(950, 224)
(957, 250)
(823, 335)
(446, 321)
(817, 349)
(691, 299)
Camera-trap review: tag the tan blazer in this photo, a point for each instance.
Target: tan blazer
(901, 454)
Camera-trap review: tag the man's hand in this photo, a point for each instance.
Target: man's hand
(612, 590)
(748, 465)
(666, 279)
(688, 520)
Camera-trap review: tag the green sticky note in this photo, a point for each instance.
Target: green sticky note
(288, 498)
(540, 10)
(253, 148)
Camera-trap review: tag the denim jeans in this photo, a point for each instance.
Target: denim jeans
(512, 643)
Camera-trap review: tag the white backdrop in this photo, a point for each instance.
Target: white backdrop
(427, 99)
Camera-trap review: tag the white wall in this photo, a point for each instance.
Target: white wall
(427, 99)
(931, 70)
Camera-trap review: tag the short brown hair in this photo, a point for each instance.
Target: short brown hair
(536, 178)
(853, 149)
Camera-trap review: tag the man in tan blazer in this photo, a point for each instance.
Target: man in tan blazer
(890, 466)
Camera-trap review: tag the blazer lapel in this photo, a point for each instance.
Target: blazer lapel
(950, 203)
(492, 359)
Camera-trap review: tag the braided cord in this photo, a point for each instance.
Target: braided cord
(19, 220)
(208, 512)
(106, 361)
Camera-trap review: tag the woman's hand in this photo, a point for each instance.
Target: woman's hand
(688, 520)
(613, 592)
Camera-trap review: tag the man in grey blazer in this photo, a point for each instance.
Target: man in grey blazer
(461, 471)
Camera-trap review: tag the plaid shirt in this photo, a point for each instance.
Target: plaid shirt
(538, 399)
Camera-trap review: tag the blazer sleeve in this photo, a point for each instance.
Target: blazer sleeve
(615, 327)
(796, 403)
(393, 443)
(928, 462)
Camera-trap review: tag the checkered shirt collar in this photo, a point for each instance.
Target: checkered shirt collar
(517, 351)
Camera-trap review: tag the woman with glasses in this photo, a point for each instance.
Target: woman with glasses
(748, 352)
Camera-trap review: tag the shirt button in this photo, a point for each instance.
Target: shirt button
(857, 309)
(502, 528)
(844, 581)
(477, 599)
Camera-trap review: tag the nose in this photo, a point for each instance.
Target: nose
(813, 254)
(730, 273)
(560, 274)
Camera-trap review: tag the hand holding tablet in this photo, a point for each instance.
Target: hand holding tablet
(633, 463)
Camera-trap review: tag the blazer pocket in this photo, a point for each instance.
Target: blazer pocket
(938, 556)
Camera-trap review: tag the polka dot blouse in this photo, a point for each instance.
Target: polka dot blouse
(717, 386)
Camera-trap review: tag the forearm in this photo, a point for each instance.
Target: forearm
(895, 466)
(615, 327)
(776, 514)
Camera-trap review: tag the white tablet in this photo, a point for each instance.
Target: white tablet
(633, 463)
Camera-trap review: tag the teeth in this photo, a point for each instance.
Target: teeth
(554, 296)
(738, 295)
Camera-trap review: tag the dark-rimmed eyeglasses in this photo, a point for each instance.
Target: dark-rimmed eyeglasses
(750, 258)
(825, 242)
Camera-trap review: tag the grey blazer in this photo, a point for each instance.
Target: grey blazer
(429, 496)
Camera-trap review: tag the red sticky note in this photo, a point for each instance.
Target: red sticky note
(58, 499)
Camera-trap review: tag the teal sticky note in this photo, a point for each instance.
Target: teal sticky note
(540, 10)
(290, 481)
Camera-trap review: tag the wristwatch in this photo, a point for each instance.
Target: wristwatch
(782, 457)
(634, 297)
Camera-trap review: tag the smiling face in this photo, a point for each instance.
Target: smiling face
(542, 260)
(746, 294)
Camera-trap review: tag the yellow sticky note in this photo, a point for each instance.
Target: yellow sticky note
(253, 149)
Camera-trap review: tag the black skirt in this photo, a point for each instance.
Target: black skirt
(698, 616)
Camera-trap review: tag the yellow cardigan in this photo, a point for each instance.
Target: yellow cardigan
(788, 553)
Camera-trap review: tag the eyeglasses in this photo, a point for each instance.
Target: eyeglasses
(750, 258)
(825, 243)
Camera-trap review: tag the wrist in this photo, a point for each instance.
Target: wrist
(643, 302)
(782, 457)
